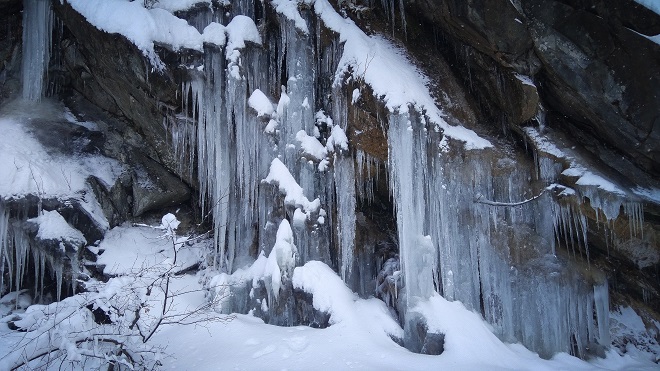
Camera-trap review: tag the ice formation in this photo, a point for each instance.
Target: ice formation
(260, 164)
(37, 21)
(282, 183)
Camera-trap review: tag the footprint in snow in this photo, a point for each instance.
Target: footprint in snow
(297, 343)
(267, 350)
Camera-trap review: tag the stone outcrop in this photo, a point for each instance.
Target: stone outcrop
(593, 61)
(112, 73)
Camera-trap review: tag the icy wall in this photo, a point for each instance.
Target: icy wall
(267, 115)
(265, 123)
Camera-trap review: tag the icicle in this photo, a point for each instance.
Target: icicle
(4, 244)
(58, 270)
(37, 31)
(367, 174)
(635, 213)
(21, 249)
(345, 191)
(602, 306)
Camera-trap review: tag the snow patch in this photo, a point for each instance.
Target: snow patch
(260, 103)
(293, 193)
(143, 27)
(654, 5)
(52, 226)
(215, 34)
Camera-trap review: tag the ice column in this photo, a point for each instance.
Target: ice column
(37, 20)
(408, 167)
(4, 242)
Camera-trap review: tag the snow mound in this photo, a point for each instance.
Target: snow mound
(52, 226)
(293, 193)
(329, 292)
(260, 103)
(133, 249)
(215, 34)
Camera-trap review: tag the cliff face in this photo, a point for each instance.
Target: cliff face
(566, 91)
(594, 62)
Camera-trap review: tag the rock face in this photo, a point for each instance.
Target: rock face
(591, 58)
(10, 47)
(111, 72)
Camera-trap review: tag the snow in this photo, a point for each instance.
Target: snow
(271, 127)
(143, 27)
(174, 31)
(355, 96)
(311, 146)
(337, 138)
(260, 103)
(654, 5)
(178, 5)
(293, 193)
(215, 34)
(590, 183)
(526, 80)
(282, 258)
(289, 9)
(241, 29)
(274, 269)
(33, 169)
(651, 194)
(589, 178)
(372, 60)
(628, 328)
(52, 226)
(359, 338)
(127, 249)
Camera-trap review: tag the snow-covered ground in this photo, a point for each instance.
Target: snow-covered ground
(358, 337)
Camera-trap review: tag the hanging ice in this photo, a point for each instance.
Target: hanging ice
(37, 33)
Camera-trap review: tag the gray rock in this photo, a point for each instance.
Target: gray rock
(154, 187)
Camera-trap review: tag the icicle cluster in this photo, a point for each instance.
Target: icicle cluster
(498, 260)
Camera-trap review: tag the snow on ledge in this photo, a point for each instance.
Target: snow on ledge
(52, 226)
(372, 59)
(143, 27)
(653, 5)
(215, 34)
(293, 193)
(261, 104)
